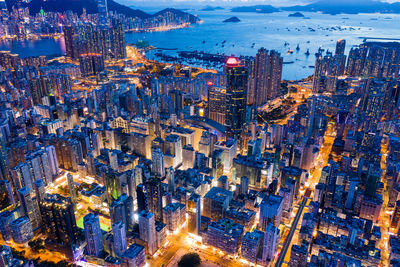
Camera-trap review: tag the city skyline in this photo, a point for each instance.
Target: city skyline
(145, 141)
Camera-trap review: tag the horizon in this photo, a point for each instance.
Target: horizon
(230, 3)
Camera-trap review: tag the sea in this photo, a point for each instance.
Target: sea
(272, 31)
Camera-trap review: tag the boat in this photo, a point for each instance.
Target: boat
(312, 67)
(298, 47)
(286, 44)
(308, 52)
(204, 41)
(288, 62)
(290, 51)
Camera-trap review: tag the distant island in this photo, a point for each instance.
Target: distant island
(348, 7)
(296, 15)
(257, 9)
(211, 8)
(232, 19)
(330, 7)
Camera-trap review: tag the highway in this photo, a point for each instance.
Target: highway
(289, 237)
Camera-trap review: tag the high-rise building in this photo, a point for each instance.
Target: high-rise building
(6, 195)
(134, 256)
(40, 190)
(173, 151)
(71, 187)
(271, 242)
(236, 94)
(91, 64)
(121, 209)
(119, 234)
(6, 217)
(244, 185)
(141, 195)
(194, 213)
(268, 75)
(29, 208)
(216, 103)
(157, 165)
(252, 245)
(21, 230)
(4, 165)
(60, 226)
(188, 155)
(171, 180)
(3, 11)
(6, 256)
(174, 215)
(216, 201)
(225, 235)
(154, 197)
(102, 9)
(270, 211)
(340, 47)
(299, 254)
(147, 230)
(93, 235)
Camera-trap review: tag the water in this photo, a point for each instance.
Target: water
(272, 31)
(27, 48)
(265, 30)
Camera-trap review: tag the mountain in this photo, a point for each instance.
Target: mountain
(257, 8)
(179, 13)
(77, 6)
(347, 7)
(332, 7)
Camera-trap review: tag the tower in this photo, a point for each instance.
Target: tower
(93, 236)
(236, 94)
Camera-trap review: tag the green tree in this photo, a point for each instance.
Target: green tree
(190, 260)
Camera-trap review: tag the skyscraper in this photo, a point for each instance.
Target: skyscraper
(102, 9)
(6, 217)
(271, 242)
(60, 226)
(93, 235)
(71, 187)
(121, 209)
(4, 174)
(236, 93)
(21, 230)
(91, 64)
(216, 103)
(119, 233)
(29, 208)
(157, 166)
(194, 212)
(268, 75)
(147, 230)
(171, 180)
(340, 47)
(6, 195)
(154, 197)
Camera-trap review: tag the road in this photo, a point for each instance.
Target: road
(293, 228)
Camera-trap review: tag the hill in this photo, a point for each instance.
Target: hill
(77, 6)
(347, 7)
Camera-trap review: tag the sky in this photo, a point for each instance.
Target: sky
(215, 2)
(185, 3)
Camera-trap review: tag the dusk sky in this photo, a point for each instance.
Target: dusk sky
(186, 3)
